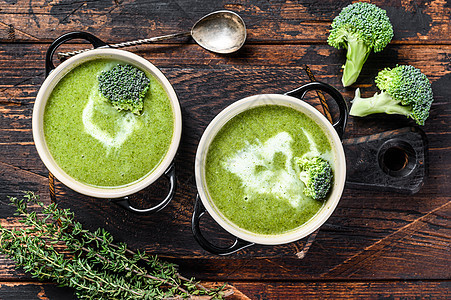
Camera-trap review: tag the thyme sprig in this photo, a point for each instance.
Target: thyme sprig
(53, 246)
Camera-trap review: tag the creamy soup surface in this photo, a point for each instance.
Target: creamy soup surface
(251, 170)
(97, 144)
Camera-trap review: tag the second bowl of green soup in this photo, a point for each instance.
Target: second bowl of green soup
(270, 169)
(93, 140)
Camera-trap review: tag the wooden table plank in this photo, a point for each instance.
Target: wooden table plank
(426, 22)
(275, 290)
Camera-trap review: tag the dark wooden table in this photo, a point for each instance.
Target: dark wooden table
(377, 244)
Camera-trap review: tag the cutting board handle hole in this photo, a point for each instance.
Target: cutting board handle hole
(397, 158)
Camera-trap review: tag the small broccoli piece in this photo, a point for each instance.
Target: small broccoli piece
(316, 174)
(405, 91)
(360, 28)
(124, 86)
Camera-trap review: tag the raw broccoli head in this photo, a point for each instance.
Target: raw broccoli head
(405, 91)
(360, 28)
(316, 174)
(124, 86)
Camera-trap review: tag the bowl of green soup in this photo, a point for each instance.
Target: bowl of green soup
(91, 145)
(251, 173)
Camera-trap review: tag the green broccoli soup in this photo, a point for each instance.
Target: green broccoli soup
(252, 171)
(97, 144)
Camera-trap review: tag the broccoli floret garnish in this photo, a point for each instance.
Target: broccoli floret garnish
(405, 91)
(316, 174)
(360, 28)
(124, 86)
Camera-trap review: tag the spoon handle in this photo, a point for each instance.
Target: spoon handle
(127, 44)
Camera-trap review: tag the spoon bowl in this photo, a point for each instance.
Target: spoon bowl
(221, 31)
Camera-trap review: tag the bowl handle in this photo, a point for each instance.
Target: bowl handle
(96, 42)
(170, 175)
(336, 95)
(199, 211)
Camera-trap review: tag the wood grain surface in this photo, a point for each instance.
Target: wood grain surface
(377, 244)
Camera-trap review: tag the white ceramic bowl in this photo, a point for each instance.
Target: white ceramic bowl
(339, 168)
(38, 122)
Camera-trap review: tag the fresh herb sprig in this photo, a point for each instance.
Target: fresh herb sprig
(53, 246)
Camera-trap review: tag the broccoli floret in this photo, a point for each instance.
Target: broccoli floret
(316, 174)
(405, 91)
(360, 28)
(124, 86)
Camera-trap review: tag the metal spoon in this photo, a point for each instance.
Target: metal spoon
(221, 31)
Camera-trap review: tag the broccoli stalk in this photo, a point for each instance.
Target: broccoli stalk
(359, 28)
(404, 91)
(356, 56)
(379, 103)
(125, 87)
(316, 174)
